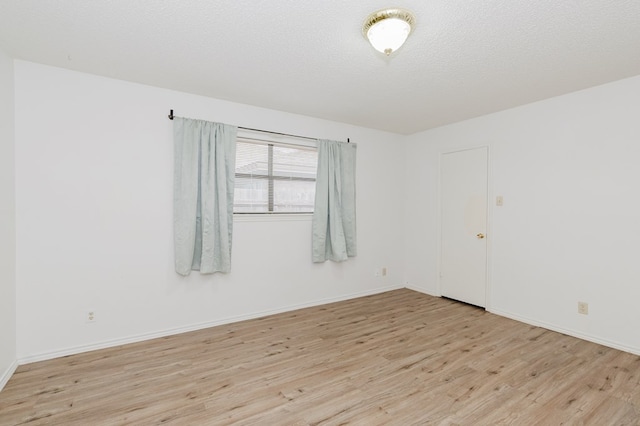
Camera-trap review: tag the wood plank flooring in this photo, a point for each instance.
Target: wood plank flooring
(397, 358)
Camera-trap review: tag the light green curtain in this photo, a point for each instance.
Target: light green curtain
(204, 174)
(334, 216)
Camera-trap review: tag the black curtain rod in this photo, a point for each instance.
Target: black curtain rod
(265, 131)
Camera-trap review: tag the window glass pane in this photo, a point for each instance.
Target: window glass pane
(288, 171)
(251, 195)
(293, 196)
(252, 159)
(294, 162)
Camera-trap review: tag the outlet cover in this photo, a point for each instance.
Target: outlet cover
(90, 316)
(583, 308)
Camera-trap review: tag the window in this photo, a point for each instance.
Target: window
(274, 178)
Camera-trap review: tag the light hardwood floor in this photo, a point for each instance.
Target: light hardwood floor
(397, 358)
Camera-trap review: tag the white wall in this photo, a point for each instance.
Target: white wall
(569, 230)
(94, 218)
(93, 170)
(7, 224)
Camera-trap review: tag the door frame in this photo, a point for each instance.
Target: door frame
(489, 231)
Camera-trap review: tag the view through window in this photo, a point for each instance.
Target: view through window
(274, 178)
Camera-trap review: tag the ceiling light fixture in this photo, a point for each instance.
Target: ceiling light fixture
(388, 29)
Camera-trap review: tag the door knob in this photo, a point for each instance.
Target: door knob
(480, 236)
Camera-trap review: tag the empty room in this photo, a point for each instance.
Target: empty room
(319, 213)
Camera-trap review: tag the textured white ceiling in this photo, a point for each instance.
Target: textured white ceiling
(464, 59)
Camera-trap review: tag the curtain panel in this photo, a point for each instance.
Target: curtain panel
(204, 174)
(334, 216)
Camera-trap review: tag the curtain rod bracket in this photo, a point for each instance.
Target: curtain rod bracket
(170, 115)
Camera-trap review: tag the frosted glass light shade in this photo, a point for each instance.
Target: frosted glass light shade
(388, 29)
(388, 35)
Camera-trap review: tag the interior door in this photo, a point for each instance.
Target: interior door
(463, 200)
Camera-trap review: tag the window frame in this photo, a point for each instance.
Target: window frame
(270, 141)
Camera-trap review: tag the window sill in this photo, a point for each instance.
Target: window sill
(278, 217)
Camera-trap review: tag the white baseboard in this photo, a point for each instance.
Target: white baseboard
(6, 375)
(568, 332)
(421, 290)
(163, 333)
(552, 327)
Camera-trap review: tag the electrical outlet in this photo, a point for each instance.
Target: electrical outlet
(377, 273)
(583, 308)
(499, 201)
(90, 316)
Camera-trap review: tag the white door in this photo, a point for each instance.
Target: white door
(463, 200)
